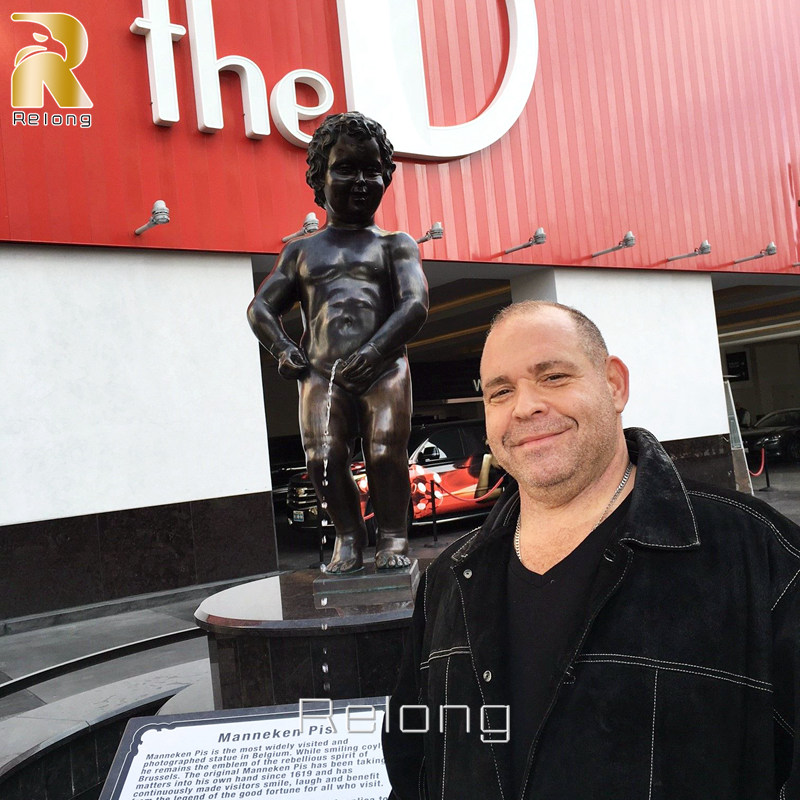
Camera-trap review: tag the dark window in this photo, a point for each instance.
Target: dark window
(447, 443)
(474, 439)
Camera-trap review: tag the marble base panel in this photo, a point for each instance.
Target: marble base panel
(62, 563)
(270, 645)
(72, 769)
(704, 458)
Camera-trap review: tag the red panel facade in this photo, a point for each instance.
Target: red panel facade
(679, 121)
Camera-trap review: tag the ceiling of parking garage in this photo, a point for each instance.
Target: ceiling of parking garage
(750, 307)
(757, 308)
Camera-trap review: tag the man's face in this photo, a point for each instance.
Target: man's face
(552, 415)
(354, 180)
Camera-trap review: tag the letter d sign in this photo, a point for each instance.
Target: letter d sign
(385, 78)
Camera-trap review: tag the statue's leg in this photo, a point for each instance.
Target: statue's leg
(334, 484)
(385, 427)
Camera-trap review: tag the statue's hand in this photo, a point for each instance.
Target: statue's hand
(362, 367)
(292, 362)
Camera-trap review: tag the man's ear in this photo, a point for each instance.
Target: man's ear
(618, 382)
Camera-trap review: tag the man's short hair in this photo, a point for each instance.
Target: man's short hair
(590, 337)
(328, 133)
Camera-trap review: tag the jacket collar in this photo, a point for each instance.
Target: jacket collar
(660, 513)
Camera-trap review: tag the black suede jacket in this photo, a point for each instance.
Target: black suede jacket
(682, 683)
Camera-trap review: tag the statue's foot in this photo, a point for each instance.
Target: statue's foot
(347, 555)
(391, 552)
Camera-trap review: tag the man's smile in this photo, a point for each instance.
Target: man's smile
(533, 438)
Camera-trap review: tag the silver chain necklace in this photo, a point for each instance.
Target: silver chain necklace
(611, 502)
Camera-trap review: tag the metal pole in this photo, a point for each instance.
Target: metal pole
(767, 488)
(433, 511)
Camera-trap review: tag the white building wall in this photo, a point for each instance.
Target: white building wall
(663, 326)
(127, 379)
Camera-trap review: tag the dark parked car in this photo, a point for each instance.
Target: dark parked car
(451, 455)
(778, 433)
(286, 458)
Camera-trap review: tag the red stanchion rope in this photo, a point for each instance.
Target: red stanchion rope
(480, 499)
(763, 461)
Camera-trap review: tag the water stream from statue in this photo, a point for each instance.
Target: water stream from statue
(326, 449)
(326, 436)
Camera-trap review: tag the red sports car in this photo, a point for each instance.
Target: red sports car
(448, 461)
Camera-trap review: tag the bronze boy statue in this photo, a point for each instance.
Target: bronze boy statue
(363, 295)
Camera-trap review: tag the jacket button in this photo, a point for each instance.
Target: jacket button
(610, 555)
(487, 676)
(468, 573)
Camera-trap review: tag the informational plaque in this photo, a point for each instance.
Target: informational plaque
(315, 749)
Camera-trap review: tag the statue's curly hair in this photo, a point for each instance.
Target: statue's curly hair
(327, 134)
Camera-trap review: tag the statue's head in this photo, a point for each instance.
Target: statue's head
(327, 134)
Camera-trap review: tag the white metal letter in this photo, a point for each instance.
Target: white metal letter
(205, 71)
(159, 35)
(287, 113)
(385, 78)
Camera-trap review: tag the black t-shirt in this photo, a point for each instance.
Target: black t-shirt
(543, 613)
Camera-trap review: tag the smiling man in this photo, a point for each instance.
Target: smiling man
(611, 631)
(363, 295)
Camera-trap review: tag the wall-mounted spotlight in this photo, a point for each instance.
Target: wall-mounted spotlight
(796, 264)
(436, 231)
(703, 250)
(310, 224)
(539, 237)
(628, 240)
(769, 250)
(158, 216)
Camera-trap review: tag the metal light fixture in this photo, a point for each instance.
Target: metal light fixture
(628, 240)
(769, 250)
(436, 231)
(539, 237)
(310, 224)
(158, 216)
(796, 264)
(703, 250)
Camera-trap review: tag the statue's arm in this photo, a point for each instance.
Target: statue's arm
(410, 290)
(275, 296)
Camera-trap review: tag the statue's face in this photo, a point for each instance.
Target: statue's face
(354, 180)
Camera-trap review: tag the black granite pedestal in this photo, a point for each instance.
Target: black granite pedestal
(279, 639)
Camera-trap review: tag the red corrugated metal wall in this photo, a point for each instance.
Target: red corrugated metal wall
(679, 121)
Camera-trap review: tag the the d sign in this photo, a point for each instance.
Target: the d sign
(385, 78)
